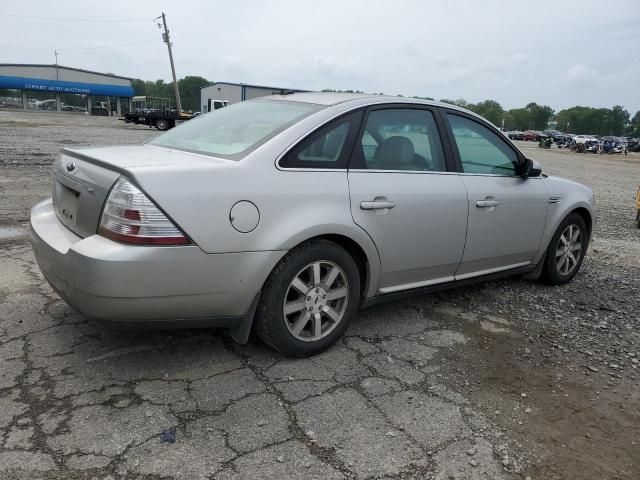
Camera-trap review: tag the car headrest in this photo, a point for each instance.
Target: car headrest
(396, 151)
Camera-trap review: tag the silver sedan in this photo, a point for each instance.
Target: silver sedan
(288, 213)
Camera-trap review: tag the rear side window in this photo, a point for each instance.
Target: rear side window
(400, 139)
(328, 147)
(481, 150)
(232, 131)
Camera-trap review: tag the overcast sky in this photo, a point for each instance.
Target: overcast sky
(560, 53)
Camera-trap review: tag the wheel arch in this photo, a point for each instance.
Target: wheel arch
(360, 247)
(357, 253)
(556, 217)
(586, 216)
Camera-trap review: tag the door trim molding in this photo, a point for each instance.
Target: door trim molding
(409, 286)
(389, 297)
(489, 271)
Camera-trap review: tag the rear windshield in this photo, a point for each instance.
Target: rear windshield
(232, 131)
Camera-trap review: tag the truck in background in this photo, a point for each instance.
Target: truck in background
(154, 112)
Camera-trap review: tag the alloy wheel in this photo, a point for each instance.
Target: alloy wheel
(316, 301)
(569, 249)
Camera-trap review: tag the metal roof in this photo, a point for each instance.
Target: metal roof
(321, 98)
(361, 99)
(253, 86)
(53, 65)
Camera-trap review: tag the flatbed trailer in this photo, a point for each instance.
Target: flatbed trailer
(154, 112)
(161, 121)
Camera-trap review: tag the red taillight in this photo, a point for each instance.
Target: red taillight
(129, 216)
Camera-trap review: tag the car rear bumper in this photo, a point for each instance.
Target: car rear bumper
(111, 281)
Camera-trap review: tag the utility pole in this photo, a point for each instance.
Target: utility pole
(167, 40)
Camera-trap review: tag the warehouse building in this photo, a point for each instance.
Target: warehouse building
(219, 94)
(58, 88)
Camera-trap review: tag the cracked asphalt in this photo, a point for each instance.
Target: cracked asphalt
(503, 380)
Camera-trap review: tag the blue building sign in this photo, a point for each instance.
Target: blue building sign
(59, 86)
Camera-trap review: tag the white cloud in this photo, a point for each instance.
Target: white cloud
(580, 73)
(440, 48)
(442, 60)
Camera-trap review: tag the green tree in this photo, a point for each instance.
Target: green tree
(531, 117)
(153, 89)
(617, 120)
(189, 87)
(491, 110)
(344, 91)
(139, 87)
(461, 102)
(634, 126)
(598, 121)
(539, 115)
(519, 119)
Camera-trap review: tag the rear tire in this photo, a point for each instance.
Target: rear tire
(309, 299)
(566, 250)
(162, 124)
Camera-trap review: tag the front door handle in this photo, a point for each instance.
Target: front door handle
(377, 205)
(487, 203)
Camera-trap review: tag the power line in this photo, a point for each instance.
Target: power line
(86, 20)
(78, 48)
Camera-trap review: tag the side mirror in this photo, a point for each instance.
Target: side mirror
(531, 168)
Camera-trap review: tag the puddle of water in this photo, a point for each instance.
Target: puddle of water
(7, 233)
(492, 327)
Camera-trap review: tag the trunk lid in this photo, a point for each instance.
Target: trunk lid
(83, 177)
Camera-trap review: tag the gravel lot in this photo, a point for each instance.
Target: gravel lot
(508, 379)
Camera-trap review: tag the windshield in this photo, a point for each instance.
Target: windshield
(231, 131)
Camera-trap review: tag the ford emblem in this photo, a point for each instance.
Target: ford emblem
(71, 166)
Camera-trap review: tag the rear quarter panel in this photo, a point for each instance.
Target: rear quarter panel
(294, 206)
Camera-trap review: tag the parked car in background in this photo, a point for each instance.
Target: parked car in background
(638, 207)
(633, 144)
(289, 212)
(557, 136)
(515, 135)
(581, 139)
(532, 135)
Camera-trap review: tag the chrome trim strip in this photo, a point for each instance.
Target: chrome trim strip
(421, 172)
(300, 169)
(468, 174)
(409, 286)
(491, 270)
(364, 170)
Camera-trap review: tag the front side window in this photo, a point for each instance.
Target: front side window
(400, 139)
(481, 150)
(325, 148)
(232, 131)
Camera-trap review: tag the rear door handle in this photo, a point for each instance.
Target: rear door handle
(487, 203)
(377, 205)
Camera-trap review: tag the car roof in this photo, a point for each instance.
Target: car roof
(319, 98)
(362, 99)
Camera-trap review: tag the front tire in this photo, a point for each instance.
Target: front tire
(309, 299)
(566, 250)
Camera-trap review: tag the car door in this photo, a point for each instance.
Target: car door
(507, 213)
(405, 196)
